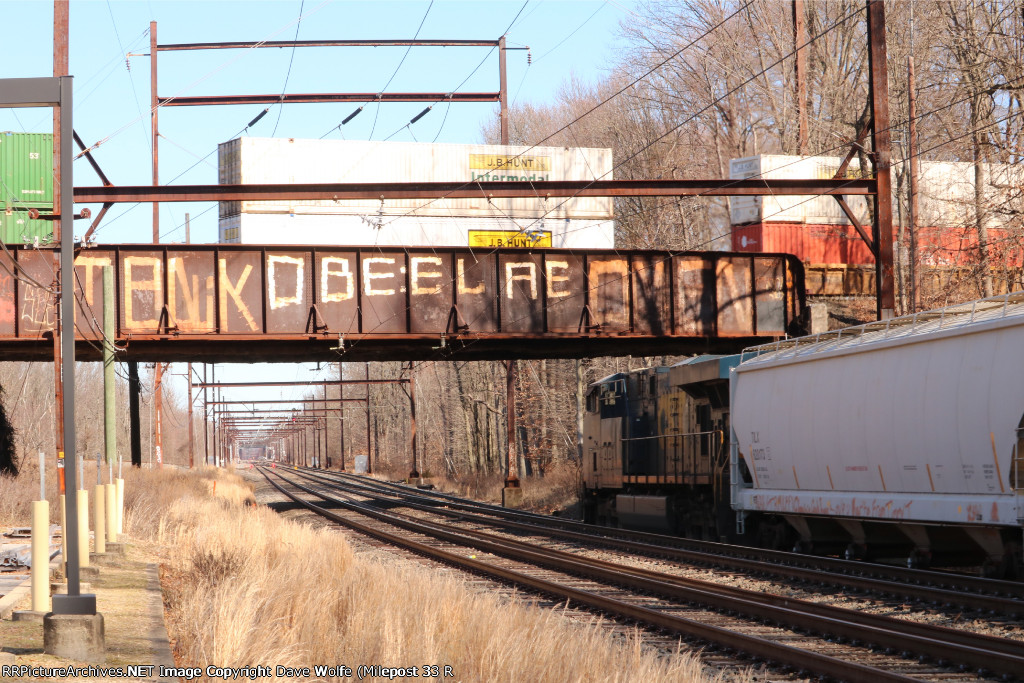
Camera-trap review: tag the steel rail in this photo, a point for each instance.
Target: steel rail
(707, 552)
(988, 652)
(787, 655)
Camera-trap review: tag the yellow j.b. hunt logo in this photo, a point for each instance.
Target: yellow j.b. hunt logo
(495, 167)
(509, 238)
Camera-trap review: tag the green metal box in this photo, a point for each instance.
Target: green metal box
(17, 228)
(26, 171)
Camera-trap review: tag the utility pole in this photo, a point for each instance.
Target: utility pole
(912, 154)
(799, 39)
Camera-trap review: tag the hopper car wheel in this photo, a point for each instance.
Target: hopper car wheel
(855, 552)
(919, 559)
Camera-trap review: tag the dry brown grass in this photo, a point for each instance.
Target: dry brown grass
(559, 488)
(244, 586)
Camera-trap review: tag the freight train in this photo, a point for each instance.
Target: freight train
(897, 439)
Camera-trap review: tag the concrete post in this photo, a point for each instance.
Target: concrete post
(83, 528)
(100, 520)
(111, 491)
(40, 556)
(120, 506)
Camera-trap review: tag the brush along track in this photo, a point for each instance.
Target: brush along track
(987, 596)
(994, 597)
(629, 593)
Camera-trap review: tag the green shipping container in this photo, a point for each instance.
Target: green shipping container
(26, 170)
(17, 228)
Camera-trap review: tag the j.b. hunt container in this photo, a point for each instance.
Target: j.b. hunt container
(537, 221)
(26, 171)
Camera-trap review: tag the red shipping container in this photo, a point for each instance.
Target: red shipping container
(840, 244)
(811, 243)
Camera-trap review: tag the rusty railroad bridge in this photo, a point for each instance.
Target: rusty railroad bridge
(245, 303)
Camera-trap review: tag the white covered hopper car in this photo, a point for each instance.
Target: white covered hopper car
(901, 438)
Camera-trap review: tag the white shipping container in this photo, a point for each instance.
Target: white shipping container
(289, 160)
(273, 228)
(945, 192)
(819, 210)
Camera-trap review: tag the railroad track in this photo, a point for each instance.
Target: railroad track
(935, 589)
(814, 639)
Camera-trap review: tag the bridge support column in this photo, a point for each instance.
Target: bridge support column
(511, 495)
(135, 421)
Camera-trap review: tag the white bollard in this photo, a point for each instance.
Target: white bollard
(40, 556)
(99, 520)
(83, 528)
(120, 507)
(111, 491)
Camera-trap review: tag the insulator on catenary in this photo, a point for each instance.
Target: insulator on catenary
(351, 116)
(421, 115)
(258, 117)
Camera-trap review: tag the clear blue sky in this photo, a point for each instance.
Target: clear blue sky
(566, 37)
(574, 37)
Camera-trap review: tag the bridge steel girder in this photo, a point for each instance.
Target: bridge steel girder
(492, 189)
(246, 303)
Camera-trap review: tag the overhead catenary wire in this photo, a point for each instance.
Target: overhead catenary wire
(291, 60)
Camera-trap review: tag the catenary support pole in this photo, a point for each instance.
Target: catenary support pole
(880, 146)
(415, 473)
(369, 455)
(512, 468)
(341, 402)
(109, 379)
(503, 91)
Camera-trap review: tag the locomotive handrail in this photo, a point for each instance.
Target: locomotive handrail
(673, 435)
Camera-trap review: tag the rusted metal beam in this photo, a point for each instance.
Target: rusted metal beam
(488, 189)
(245, 45)
(317, 383)
(856, 224)
(307, 98)
(286, 400)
